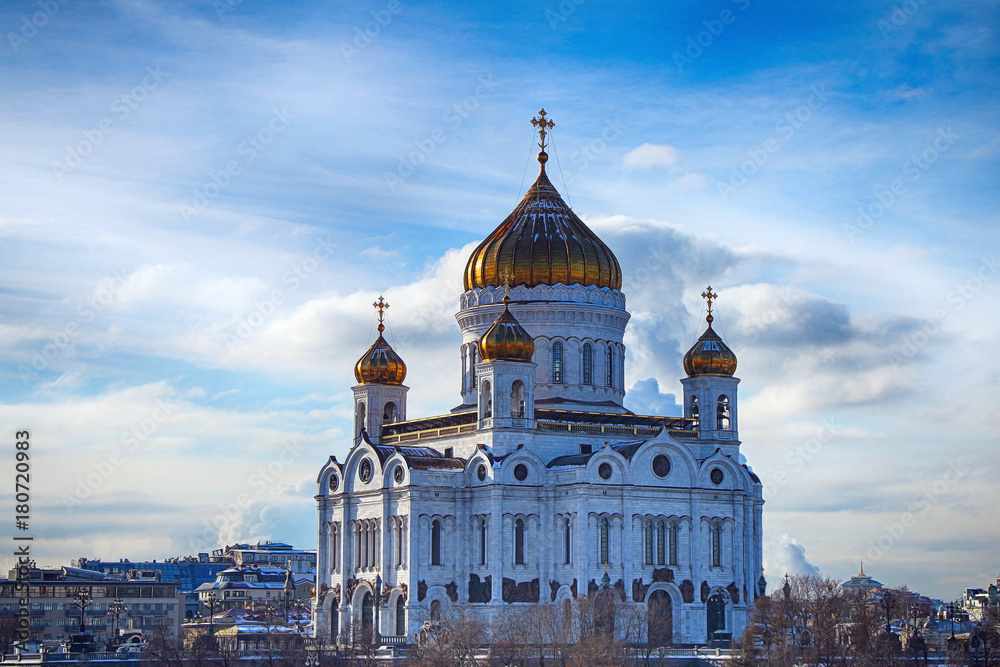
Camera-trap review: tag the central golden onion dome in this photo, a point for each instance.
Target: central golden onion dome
(710, 356)
(506, 340)
(380, 364)
(543, 242)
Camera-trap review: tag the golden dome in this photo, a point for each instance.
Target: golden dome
(506, 340)
(544, 243)
(380, 364)
(709, 356)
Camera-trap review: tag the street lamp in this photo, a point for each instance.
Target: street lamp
(211, 600)
(116, 609)
(82, 599)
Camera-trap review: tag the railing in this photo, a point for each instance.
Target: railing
(613, 429)
(392, 640)
(427, 433)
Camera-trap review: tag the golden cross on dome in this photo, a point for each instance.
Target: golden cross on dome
(380, 306)
(542, 124)
(507, 278)
(710, 296)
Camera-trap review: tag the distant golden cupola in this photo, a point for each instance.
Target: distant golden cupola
(710, 356)
(380, 364)
(506, 340)
(543, 242)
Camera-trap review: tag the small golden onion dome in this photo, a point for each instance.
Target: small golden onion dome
(709, 356)
(545, 243)
(380, 364)
(506, 340)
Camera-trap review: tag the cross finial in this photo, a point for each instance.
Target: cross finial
(543, 124)
(709, 296)
(507, 278)
(380, 306)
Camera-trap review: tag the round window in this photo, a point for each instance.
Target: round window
(334, 482)
(397, 474)
(716, 476)
(520, 472)
(481, 472)
(661, 465)
(604, 470)
(365, 471)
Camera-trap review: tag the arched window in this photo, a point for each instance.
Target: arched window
(400, 617)
(519, 542)
(660, 539)
(436, 542)
(567, 542)
(647, 534)
(487, 398)
(472, 364)
(334, 546)
(389, 415)
(357, 546)
(435, 610)
(367, 615)
(359, 419)
(604, 541)
(673, 543)
(399, 542)
(588, 364)
(517, 399)
(716, 545)
(557, 363)
(364, 545)
(482, 541)
(723, 413)
(610, 367)
(694, 411)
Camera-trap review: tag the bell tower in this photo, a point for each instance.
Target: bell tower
(710, 388)
(379, 396)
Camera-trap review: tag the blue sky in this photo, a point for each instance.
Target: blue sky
(201, 200)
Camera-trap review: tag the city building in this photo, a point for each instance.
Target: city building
(252, 587)
(110, 606)
(862, 582)
(541, 485)
(976, 601)
(191, 572)
(268, 554)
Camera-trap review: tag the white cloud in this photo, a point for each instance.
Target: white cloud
(649, 155)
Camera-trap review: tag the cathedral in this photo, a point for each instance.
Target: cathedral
(540, 487)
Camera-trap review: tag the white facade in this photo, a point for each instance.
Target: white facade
(538, 483)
